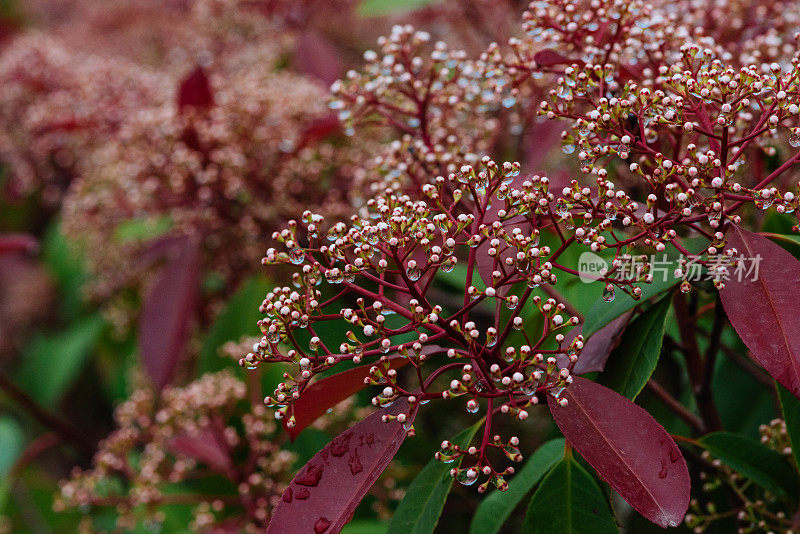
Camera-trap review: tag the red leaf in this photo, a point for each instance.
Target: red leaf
(324, 494)
(550, 58)
(167, 312)
(195, 90)
(315, 56)
(329, 391)
(764, 311)
(627, 448)
(204, 448)
(599, 345)
(10, 243)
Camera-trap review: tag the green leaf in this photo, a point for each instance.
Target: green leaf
(634, 360)
(602, 312)
(11, 442)
(791, 415)
(378, 8)
(11, 446)
(568, 501)
(51, 362)
(419, 511)
(497, 507)
(142, 229)
(364, 526)
(755, 461)
(66, 268)
(238, 319)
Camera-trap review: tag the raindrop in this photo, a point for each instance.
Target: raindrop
(794, 139)
(467, 477)
(296, 256)
(568, 148)
(608, 293)
(321, 525)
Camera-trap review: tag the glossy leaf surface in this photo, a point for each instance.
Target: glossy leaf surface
(496, 508)
(634, 360)
(419, 511)
(627, 448)
(598, 347)
(762, 306)
(167, 313)
(568, 501)
(325, 393)
(323, 495)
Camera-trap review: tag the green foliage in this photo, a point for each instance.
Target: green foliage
(419, 511)
(603, 312)
(52, 362)
(377, 8)
(236, 320)
(755, 461)
(66, 268)
(569, 501)
(496, 507)
(142, 229)
(790, 406)
(634, 360)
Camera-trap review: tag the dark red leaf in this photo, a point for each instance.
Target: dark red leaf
(323, 495)
(195, 90)
(329, 391)
(550, 58)
(540, 142)
(14, 243)
(315, 56)
(320, 128)
(206, 448)
(764, 311)
(627, 448)
(599, 345)
(167, 312)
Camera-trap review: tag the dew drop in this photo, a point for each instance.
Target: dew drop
(568, 148)
(321, 525)
(663, 473)
(466, 478)
(413, 273)
(311, 476)
(794, 139)
(509, 101)
(608, 293)
(355, 464)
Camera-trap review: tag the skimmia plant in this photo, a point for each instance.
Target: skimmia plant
(555, 242)
(682, 134)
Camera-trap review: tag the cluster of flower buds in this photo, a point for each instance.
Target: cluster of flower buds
(57, 106)
(758, 512)
(246, 145)
(683, 125)
(434, 101)
(480, 232)
(178, 436)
